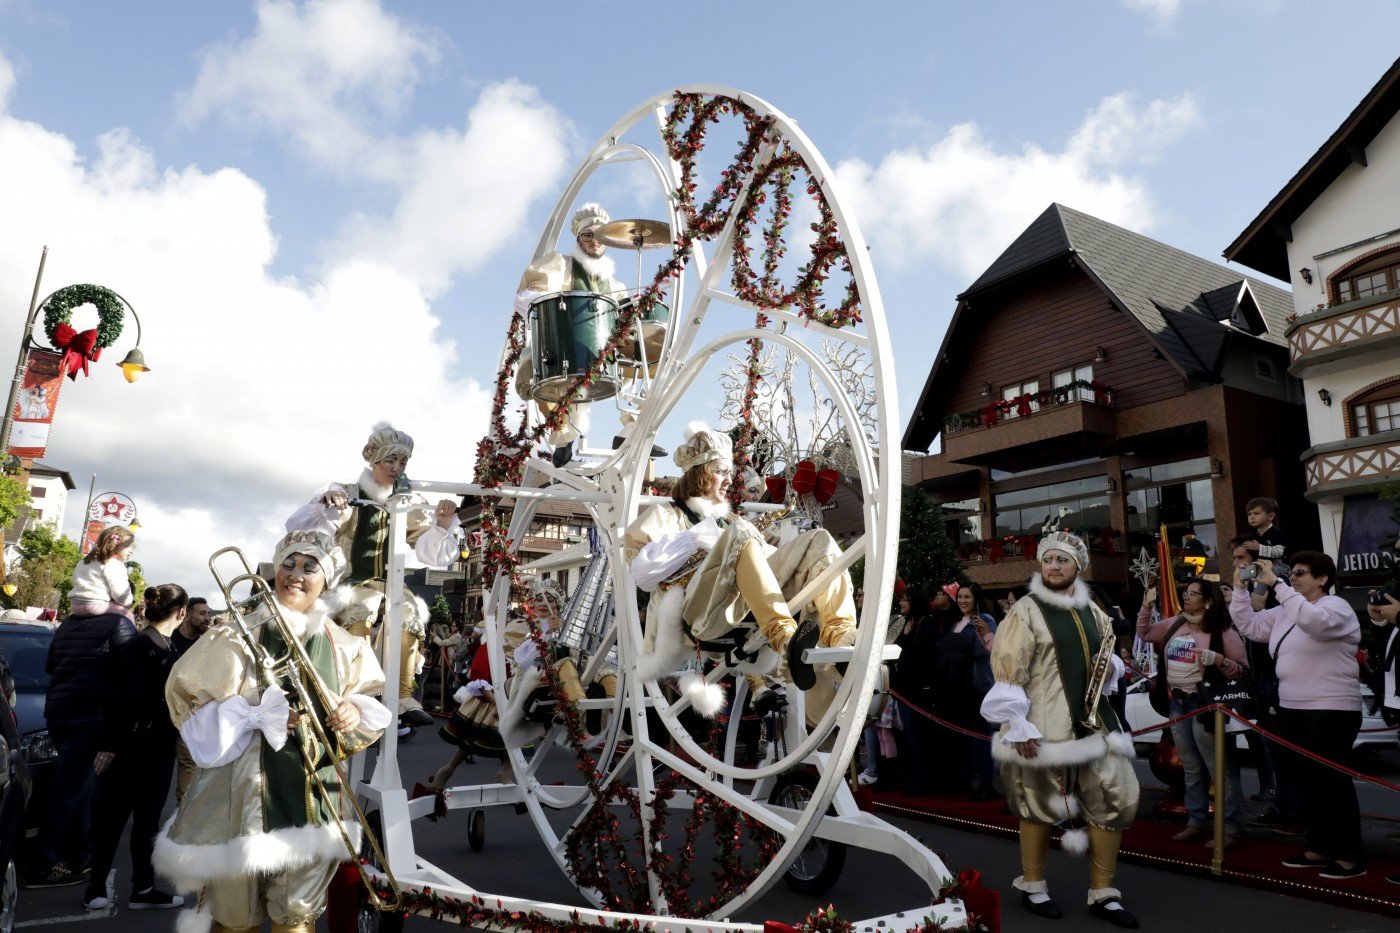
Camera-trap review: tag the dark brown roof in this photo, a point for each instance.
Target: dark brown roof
(1263, 245)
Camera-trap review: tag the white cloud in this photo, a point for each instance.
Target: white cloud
(466, 193)
(960, 201)
(322, 73)
(261, 388)
(1163, 10)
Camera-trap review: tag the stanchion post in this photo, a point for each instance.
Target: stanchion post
(1217, 858)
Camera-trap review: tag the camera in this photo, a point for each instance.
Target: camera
(1377, 598)
(1249, 572)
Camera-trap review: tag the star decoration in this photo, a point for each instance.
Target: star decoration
(1144, 568)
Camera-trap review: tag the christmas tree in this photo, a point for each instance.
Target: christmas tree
(926, 555)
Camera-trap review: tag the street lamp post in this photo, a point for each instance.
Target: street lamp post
(132, 366)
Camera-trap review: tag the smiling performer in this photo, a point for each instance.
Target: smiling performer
(585, 269)
(361, 530)
(710, 568)
(251, 835)
(1058, 763)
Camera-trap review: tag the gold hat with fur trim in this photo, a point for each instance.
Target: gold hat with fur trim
(590, 215)
(1071, 544)
(702, 445)
(317, 545)
(385, 441)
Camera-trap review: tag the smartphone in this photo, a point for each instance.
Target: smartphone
(1377, 598)
(1249, 572)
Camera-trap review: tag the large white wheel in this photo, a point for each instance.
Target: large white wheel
(708, 322)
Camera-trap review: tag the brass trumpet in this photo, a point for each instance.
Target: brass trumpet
(1099, 670)
(294, 673)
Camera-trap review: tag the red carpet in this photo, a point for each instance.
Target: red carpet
(1254, 863)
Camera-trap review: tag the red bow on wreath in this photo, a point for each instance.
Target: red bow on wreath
(78, 348)
(995, 550)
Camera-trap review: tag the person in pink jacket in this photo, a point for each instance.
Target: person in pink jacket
(1313, 636)
(1197, 645)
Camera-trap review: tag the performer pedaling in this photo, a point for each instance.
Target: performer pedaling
(354, 515)
(250, 835)
(710, 568)
(1065, 756)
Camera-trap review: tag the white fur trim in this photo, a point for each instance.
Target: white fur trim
(190, 866)
(708, 508)
(1031, 887)
(1074, 752)
(601, 268)
(765, 663)
(1066, 806)
(672, 647)
(1075, 841)
(515, 730)
(706, 698)
(1076, 598)
(371, 489)
(198, 920)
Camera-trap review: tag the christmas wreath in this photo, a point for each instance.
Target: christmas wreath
(80, 347)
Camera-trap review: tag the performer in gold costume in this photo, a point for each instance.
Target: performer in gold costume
(1056, 766)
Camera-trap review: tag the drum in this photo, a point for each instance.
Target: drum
(653, 324)
(568, 330)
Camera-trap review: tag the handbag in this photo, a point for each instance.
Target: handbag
(1233, 694)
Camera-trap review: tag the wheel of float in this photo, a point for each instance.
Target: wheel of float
(817, 867)
(615, 483)
(476, 830)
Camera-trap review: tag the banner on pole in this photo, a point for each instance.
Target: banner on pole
(36, 403)
(109, 508)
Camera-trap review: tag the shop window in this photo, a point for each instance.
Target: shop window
(962, 521)
(1184, 507)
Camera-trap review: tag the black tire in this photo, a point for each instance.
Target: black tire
(476, 830)
(370, 920)
(818, 866)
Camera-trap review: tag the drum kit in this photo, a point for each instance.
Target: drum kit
(570, 329)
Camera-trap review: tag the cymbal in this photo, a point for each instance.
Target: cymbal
(634, 234)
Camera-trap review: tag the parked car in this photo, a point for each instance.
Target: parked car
(15, 789)
(1141, 715)
(25, 646)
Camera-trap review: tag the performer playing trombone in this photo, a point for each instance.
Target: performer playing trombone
(254, 834)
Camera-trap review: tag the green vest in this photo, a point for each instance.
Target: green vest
(289, 800)
(369, 548)
(581, 281)
(1076, 636)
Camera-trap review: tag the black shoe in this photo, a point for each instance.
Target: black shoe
(1047, 909)
(767, 701)
(1336, 872)
(562, 454)
(806, 636)
(416, 717)
(1119, 917)
(57, 876)
(593, 719)
(1301, 860)
(154, 899)
(1270, 817)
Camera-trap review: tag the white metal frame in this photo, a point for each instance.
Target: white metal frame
(609, 483)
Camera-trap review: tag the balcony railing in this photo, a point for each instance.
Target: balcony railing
(1343, 328)
(1025, 406)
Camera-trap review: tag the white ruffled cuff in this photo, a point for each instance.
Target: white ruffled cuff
(1110, 686)
(217, 733)
(1008, 703)
(374, 716)
(1022, 730)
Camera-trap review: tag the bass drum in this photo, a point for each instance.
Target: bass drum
(568, 331)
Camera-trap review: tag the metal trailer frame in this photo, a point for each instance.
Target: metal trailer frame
(608, 483)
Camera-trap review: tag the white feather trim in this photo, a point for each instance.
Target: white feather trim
(515, 730)
(190, 866)
(1066, 806)
(198, 920)
(672, 647)
(1077, 597)
(1075, 841)
(694, 428)
(707, 699)
(1074, 752)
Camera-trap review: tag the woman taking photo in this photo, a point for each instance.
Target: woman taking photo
(136, 756)
(1195, 645)
(1312, 637)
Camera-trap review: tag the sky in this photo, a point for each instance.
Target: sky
(321, 209)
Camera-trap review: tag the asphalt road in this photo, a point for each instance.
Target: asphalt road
(514, 863)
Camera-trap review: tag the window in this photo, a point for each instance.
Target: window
(962, 520)
(1066, 377)
(1376, 410)
(1079, 504)
(1009, 393)
(1167, 495)
(38, 492)
(1373, 276)
(1264, 369)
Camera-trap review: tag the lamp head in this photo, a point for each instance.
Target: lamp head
(134, 364)
(10, 588)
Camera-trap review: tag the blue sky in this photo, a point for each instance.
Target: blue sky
(280, 186)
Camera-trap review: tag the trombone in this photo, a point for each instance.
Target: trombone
(294, 673)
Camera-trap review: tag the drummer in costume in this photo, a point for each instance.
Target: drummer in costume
(585, 269)
(251, 834)
(1055, 766)
(362, 532)
(702, 608)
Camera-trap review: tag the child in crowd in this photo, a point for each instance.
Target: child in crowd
(1268, 541)
(100, 581)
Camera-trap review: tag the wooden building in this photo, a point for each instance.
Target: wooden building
(1102, 380)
